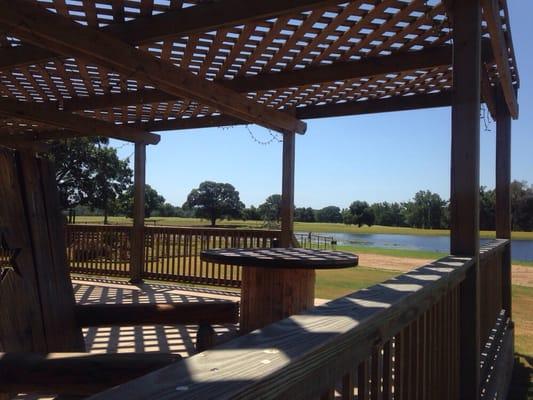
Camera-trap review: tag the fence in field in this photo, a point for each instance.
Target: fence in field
(406, 338)
(171, 253)
(313, 241)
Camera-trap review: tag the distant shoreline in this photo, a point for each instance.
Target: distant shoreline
(315, 227)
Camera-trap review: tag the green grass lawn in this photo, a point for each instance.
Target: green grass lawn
(331, 284)
(316, 227)
(392, 252)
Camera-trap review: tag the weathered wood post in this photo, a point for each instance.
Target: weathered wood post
(464, 196)
(503, 193)
(287, 189)
(137, 234)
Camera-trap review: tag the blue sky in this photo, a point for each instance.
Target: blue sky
(379, 157)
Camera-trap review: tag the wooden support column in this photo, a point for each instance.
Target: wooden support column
(137, 234)
(503, 192)
(287, 190)
(464, 196)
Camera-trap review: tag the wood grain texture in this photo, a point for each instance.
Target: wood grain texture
(306, 354)
(464, 193)
(72, 122)
(403, 103)
(503, 195)
(282, 258)
(219, 312)
(31, 215)
(287, 189)
(75, 373)
(63, 36)
(137, 233)
(21, 320)
(182, 21)
(491, 12)
(270, 295)
(289, 56)
(48, 245)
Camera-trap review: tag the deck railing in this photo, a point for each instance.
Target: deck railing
(314, 241)
(171, 253)
(400, 339)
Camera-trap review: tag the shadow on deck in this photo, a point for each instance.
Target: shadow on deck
(178, 339)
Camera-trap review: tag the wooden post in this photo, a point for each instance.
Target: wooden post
(137, 234)
(287, 190)
(503, 193)
(464, 196)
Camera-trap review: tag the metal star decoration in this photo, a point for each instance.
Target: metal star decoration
(8, 257)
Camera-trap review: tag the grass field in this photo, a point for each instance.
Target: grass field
(315, 227)
(392, 252)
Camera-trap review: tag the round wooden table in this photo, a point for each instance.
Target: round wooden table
(277, 282)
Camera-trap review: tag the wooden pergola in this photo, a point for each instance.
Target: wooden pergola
(125, 69)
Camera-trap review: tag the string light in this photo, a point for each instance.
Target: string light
(273, 137)
(486, 118)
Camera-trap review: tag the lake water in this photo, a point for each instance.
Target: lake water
(522, 249)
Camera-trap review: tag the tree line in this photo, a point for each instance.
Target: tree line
(93, 179)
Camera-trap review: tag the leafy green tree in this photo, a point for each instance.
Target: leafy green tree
(167, 210)
(251, 214)
(425, 211)
(487, 207)
(303, 214)
(270, 210)
(111, 179)
(388, 214)
(360, 214)
(213, 200)
(153, 201)
(89, 172)
(329, 214)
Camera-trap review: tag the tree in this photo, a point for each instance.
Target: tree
(487, 207)
(388, 214)
(359, 213)
(152, 201)
(270, 210)
(251, 214)
(303, 214)
(167, 210)
(213, 200)
(329, 214)
(425, 211)
(88, 172)
(111, 179)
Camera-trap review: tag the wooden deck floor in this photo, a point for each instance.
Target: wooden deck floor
(178, 339)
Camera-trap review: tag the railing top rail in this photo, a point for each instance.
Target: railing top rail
(177, 229)
(304, 354)
(492, 247)
(217, 231)
(98, 227)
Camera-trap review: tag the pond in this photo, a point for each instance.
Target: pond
(522, 249)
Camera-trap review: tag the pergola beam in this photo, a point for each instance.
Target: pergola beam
(39, 113)
(372, 66)
(33, 24)
(175, 23)
(397, 103)
(491, 12)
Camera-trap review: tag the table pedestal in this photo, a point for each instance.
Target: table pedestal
(269, 295)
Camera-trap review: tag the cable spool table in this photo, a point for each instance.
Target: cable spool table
(277, 282)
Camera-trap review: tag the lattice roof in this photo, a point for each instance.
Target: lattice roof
(247, 55)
